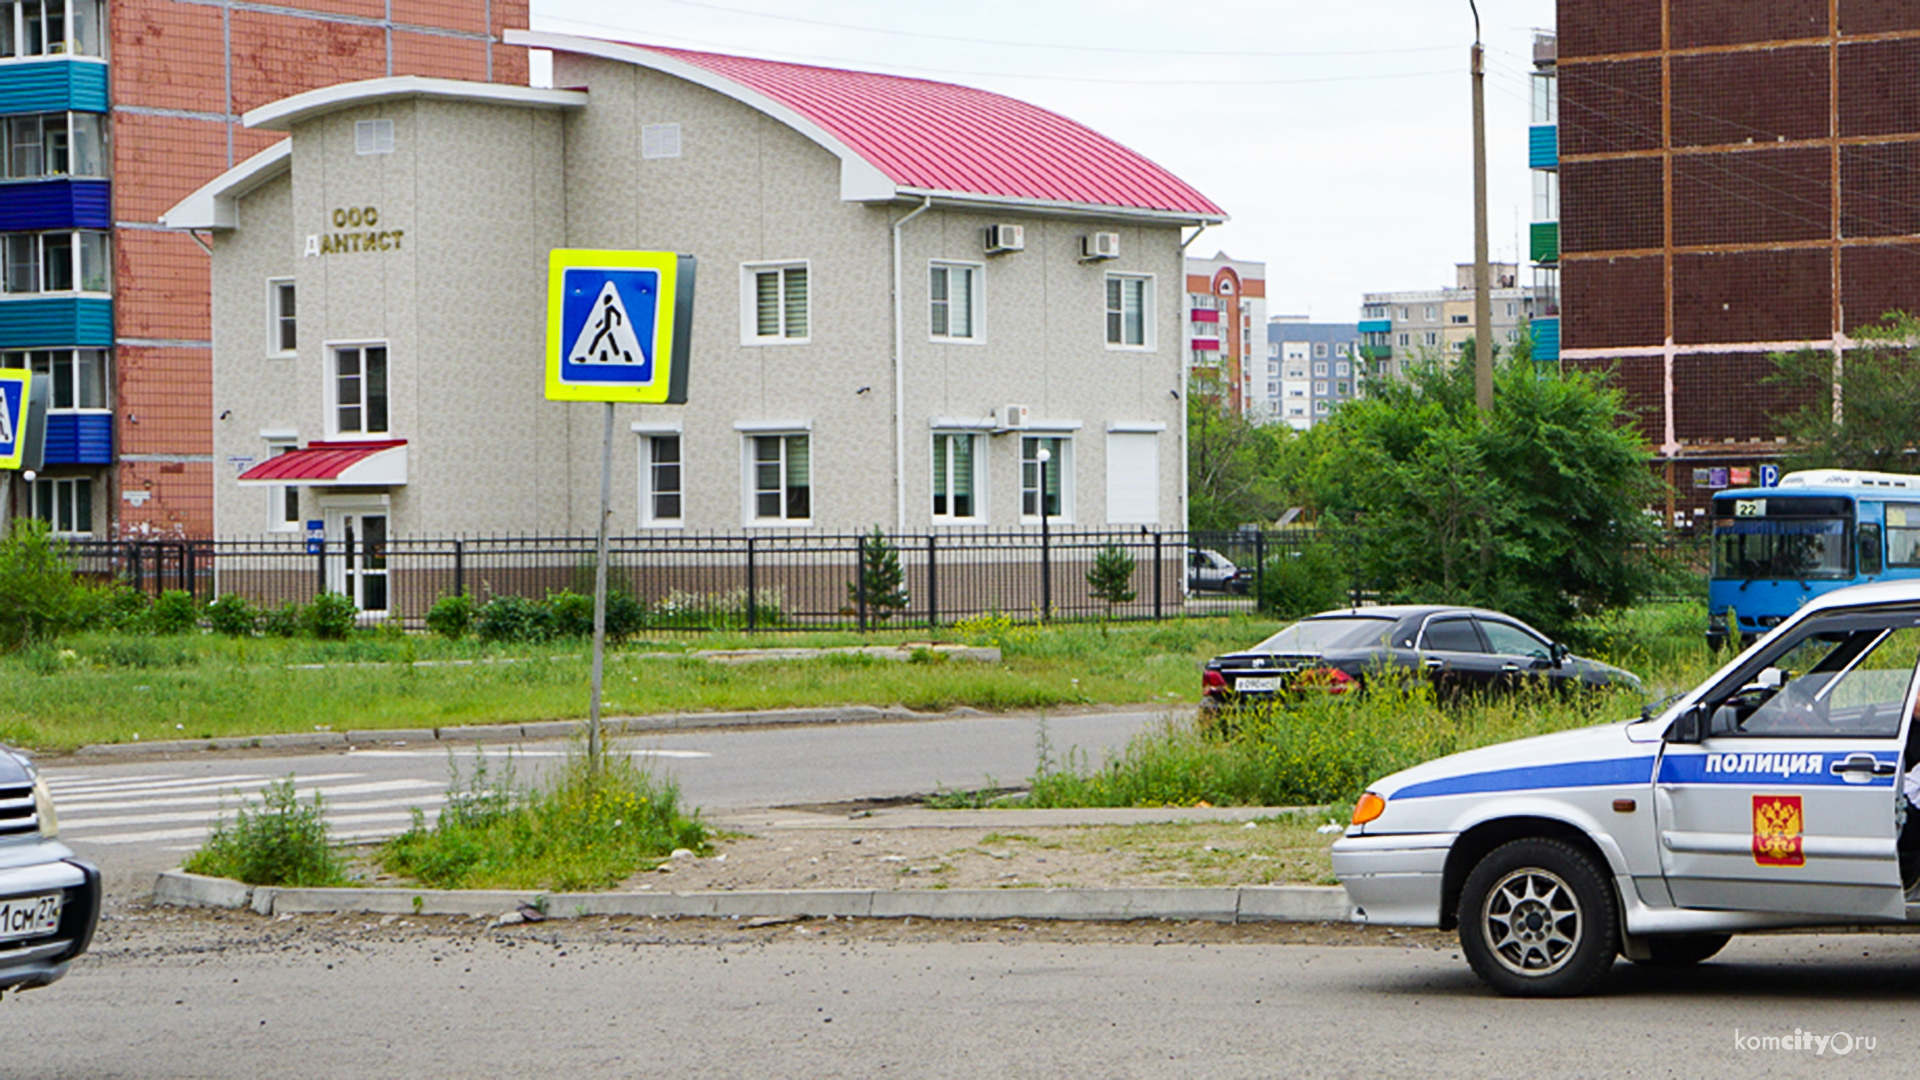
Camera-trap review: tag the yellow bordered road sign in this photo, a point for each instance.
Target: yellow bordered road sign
(619, 325)
(23, 420)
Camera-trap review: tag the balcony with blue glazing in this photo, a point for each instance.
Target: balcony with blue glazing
(80, 438)
(1546, 340)
(63, 85)
(1543, 146)
(38, 205)
(56, 320)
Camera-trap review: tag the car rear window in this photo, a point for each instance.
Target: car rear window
(1319, 635)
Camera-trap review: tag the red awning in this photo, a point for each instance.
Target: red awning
(335, 464)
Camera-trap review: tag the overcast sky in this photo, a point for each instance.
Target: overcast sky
(1337, 133)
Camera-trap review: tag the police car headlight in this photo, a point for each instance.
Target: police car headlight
(1368, 808)
(43, 809)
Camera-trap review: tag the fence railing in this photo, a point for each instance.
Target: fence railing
(774, 581)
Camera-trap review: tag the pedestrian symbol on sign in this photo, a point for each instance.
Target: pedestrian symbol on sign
(608, 337)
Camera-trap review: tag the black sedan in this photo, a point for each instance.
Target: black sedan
(1462, 651)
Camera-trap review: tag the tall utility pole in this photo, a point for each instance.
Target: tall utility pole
(1482, 277)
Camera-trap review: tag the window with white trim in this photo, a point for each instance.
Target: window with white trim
(66, 505)
(67, 261)
(40, 145)
(283, 500)
(76, 378)
(1320, 367)
(1059, 477)
(1129, 311)
(30, 28)
(282, 338)
(775, 303)
(359, 390)
(953, 302)
(958, 491)
(661, 495)
(782, 477)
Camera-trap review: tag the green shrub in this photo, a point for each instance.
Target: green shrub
(570, 615)
(112, 605)
(232, 615)
(330, 617)
(626, 616)
(278, 842)
(284, 621)
(36, 585)
(513, 619)
(1110, 578)
(1309, 579)
(880, 576)
(173, 612)
(451, 616)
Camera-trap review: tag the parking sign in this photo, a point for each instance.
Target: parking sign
(619, 324)
(1769, 476)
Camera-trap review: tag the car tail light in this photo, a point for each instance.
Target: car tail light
(1369, 807)
(1213, 680)
(1326, 679)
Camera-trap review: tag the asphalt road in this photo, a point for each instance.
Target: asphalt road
(823, 1000)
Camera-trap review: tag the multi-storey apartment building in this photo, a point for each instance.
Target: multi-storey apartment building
(1422, 326)
(1226, 327)
(1543, 158)
(112, 112)
(1737, 180)
(1311, 369)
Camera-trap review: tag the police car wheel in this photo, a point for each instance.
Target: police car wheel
(1538, 919)
(1680, 950)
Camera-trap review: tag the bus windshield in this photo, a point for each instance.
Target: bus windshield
(1794, 549)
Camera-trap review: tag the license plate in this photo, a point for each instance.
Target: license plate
(29, 916)
(1252, 684)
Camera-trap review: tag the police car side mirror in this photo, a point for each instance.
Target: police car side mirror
(1689, 727)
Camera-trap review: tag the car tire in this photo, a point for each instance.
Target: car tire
(1538, 919)
(1682, 950)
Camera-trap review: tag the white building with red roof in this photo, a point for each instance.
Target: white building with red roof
(906, 290)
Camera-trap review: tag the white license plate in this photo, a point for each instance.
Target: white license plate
(29, 916)
(1266, 684)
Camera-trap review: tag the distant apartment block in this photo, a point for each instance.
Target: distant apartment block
(1311, 368)
(1429, 325)
(1226, 326)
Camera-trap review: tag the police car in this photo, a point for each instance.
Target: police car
(1770, 796)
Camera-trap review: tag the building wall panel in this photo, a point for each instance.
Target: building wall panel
(1733, 99)
(1880, 190)
(1604, 205)
(1599, 29)
(165, 499)
(1778, 295)
(1880, 87)
(275, 56)
(1609, 303)
(463, 15)
(1752, 197)
(168, 55)
(1704, 23)
(439, 56)
(1878, 279)
(1877, 16)
(1609, 108)
(1729, 398)
(165, 400)
(171, 156)
(1641, 381)
(160, 287)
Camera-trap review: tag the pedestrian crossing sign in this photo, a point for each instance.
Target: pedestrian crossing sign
(22, 421)
(618, 325)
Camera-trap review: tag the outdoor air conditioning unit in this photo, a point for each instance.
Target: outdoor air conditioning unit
(1100, 245)
(1001, 239)
(1011, 417)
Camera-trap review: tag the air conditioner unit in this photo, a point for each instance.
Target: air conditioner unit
(1011, 417)
(1001, 239)
(1100, 245)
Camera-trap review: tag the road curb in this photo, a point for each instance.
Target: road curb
(543, 729)
(1230, 904)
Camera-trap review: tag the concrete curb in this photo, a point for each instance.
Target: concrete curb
(1232, 904)
(546, 729)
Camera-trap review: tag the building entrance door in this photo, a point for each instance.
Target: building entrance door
(357, 554)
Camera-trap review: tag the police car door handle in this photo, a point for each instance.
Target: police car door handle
(1863, 763)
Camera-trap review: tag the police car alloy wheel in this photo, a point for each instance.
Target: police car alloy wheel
(1537, 919)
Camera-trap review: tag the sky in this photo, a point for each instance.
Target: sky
(1337, 134)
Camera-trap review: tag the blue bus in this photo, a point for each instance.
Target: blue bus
(1776, 548)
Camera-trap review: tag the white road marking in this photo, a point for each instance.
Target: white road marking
(527, 753)
(77, 808)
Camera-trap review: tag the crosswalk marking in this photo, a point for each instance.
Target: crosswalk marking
(177, 812)
(227, 793)
(219, 785)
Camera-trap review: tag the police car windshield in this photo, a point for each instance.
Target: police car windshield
(1334, 632)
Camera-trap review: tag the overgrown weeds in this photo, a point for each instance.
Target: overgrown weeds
(280, 841)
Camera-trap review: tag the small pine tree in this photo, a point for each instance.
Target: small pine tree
(882, 576)
(1110, 578)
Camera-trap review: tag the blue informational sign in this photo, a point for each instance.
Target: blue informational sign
(617, 325)
(316, 537)
(23, 419)
(1769, 476)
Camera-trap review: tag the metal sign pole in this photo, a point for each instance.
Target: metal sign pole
(600, 588)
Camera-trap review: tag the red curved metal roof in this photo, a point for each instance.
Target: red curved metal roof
(936, 136)
(319, 461)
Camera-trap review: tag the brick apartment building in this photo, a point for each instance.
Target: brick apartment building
(1735, 180)
(1227, 326)
(112, 112)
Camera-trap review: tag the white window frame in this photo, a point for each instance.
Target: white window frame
(978, 461)
(1061, 466)
(750, 307)
(976, 307)
(278, 321)
(280, 496)
(53, 484)
(74, 127)
(77, 245)
(70, 42)
(48, 362)
(1147, 309)
(333, 405)
(649, 436)
(751, 433)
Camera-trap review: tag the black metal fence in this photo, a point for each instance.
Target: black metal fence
(778, 581)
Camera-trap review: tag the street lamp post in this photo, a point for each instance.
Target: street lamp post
(1482, 276)
(1046, 552)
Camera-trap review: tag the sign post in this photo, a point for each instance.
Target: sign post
(619, 325)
